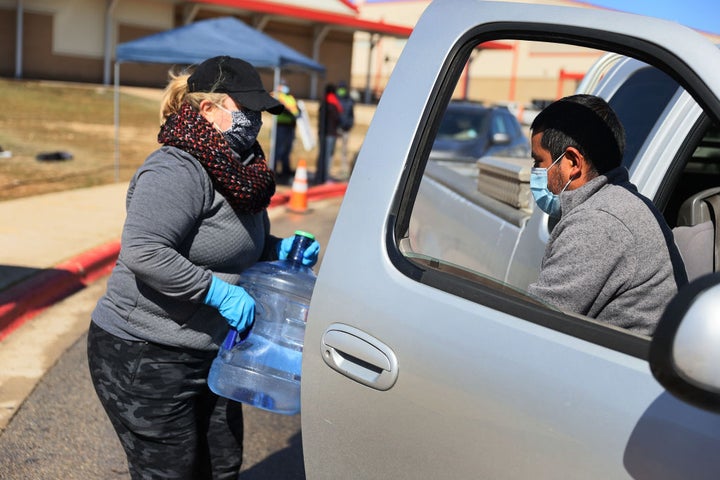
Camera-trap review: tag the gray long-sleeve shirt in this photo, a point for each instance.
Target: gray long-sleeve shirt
(611, 256)
(179, 231)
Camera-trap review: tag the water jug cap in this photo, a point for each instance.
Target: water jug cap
(301, 241)
(305, 234)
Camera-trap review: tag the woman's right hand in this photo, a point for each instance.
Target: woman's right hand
(233, 302)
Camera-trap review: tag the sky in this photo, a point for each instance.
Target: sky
(703, 15)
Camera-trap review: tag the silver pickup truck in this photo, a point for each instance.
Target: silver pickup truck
(424, 355)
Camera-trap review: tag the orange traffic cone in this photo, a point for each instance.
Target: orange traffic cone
(298, 196)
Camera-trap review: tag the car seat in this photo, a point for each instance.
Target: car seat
(697, 234)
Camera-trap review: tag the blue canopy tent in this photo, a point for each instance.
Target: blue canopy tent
(196, 42)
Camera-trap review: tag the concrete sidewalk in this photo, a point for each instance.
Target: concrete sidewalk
(55, 244)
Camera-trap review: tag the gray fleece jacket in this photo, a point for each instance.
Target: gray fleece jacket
(611, 256)
(178, 232)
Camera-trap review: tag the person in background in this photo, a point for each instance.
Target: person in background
(285, 137)
(347, 121)
(328, 124)
(611, 255)
(196, 218)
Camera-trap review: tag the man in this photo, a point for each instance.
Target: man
(611, 255)
(285, 137)
(328, 122)
(347, 121)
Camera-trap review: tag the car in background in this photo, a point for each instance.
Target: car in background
(471, 130)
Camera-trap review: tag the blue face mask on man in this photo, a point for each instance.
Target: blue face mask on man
(546, 200)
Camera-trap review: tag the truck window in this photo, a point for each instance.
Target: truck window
(473, 217)
(474, 205)
(639, 102)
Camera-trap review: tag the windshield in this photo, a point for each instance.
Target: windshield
(462, 124)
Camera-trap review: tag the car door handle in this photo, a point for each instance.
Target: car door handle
(359, 356)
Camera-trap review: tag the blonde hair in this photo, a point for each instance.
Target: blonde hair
(176, 93)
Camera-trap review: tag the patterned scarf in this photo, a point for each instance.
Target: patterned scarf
(248, 188)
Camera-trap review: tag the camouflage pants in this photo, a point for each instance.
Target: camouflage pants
(168, 421)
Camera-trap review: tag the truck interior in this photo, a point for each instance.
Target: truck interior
(693, 209)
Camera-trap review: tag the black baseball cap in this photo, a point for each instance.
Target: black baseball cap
(238, 79)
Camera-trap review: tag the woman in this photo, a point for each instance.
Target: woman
(196, 218)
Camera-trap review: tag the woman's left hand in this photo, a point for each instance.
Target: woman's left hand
(310, 256)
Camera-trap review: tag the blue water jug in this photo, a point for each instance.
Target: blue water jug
(263, 369)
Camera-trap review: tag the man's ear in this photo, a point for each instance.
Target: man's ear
(578, 164)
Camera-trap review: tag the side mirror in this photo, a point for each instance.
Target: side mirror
(500, 139)
(685, 350)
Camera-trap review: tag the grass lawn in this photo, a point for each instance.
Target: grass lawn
(40, 117)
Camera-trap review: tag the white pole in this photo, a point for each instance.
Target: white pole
(109, 36)
(273, 134)
(319, 34)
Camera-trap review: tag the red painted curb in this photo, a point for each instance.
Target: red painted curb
(327, 190)
(279, 199)
(26, 299)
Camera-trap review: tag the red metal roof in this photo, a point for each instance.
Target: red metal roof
(321, 16)
(350, 4)
(312, 15)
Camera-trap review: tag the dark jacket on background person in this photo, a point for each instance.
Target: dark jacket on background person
(329, 115)
(347, 116)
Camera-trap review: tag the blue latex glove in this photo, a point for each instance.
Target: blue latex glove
(310, 256)
(233, 303)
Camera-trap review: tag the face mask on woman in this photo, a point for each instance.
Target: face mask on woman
(544, 198)
(244, 129)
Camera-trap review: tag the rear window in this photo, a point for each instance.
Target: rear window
(639, 102)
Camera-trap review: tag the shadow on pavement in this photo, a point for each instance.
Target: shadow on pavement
(32, 290)
(11, 274)
(286, 463)
(38, 289)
